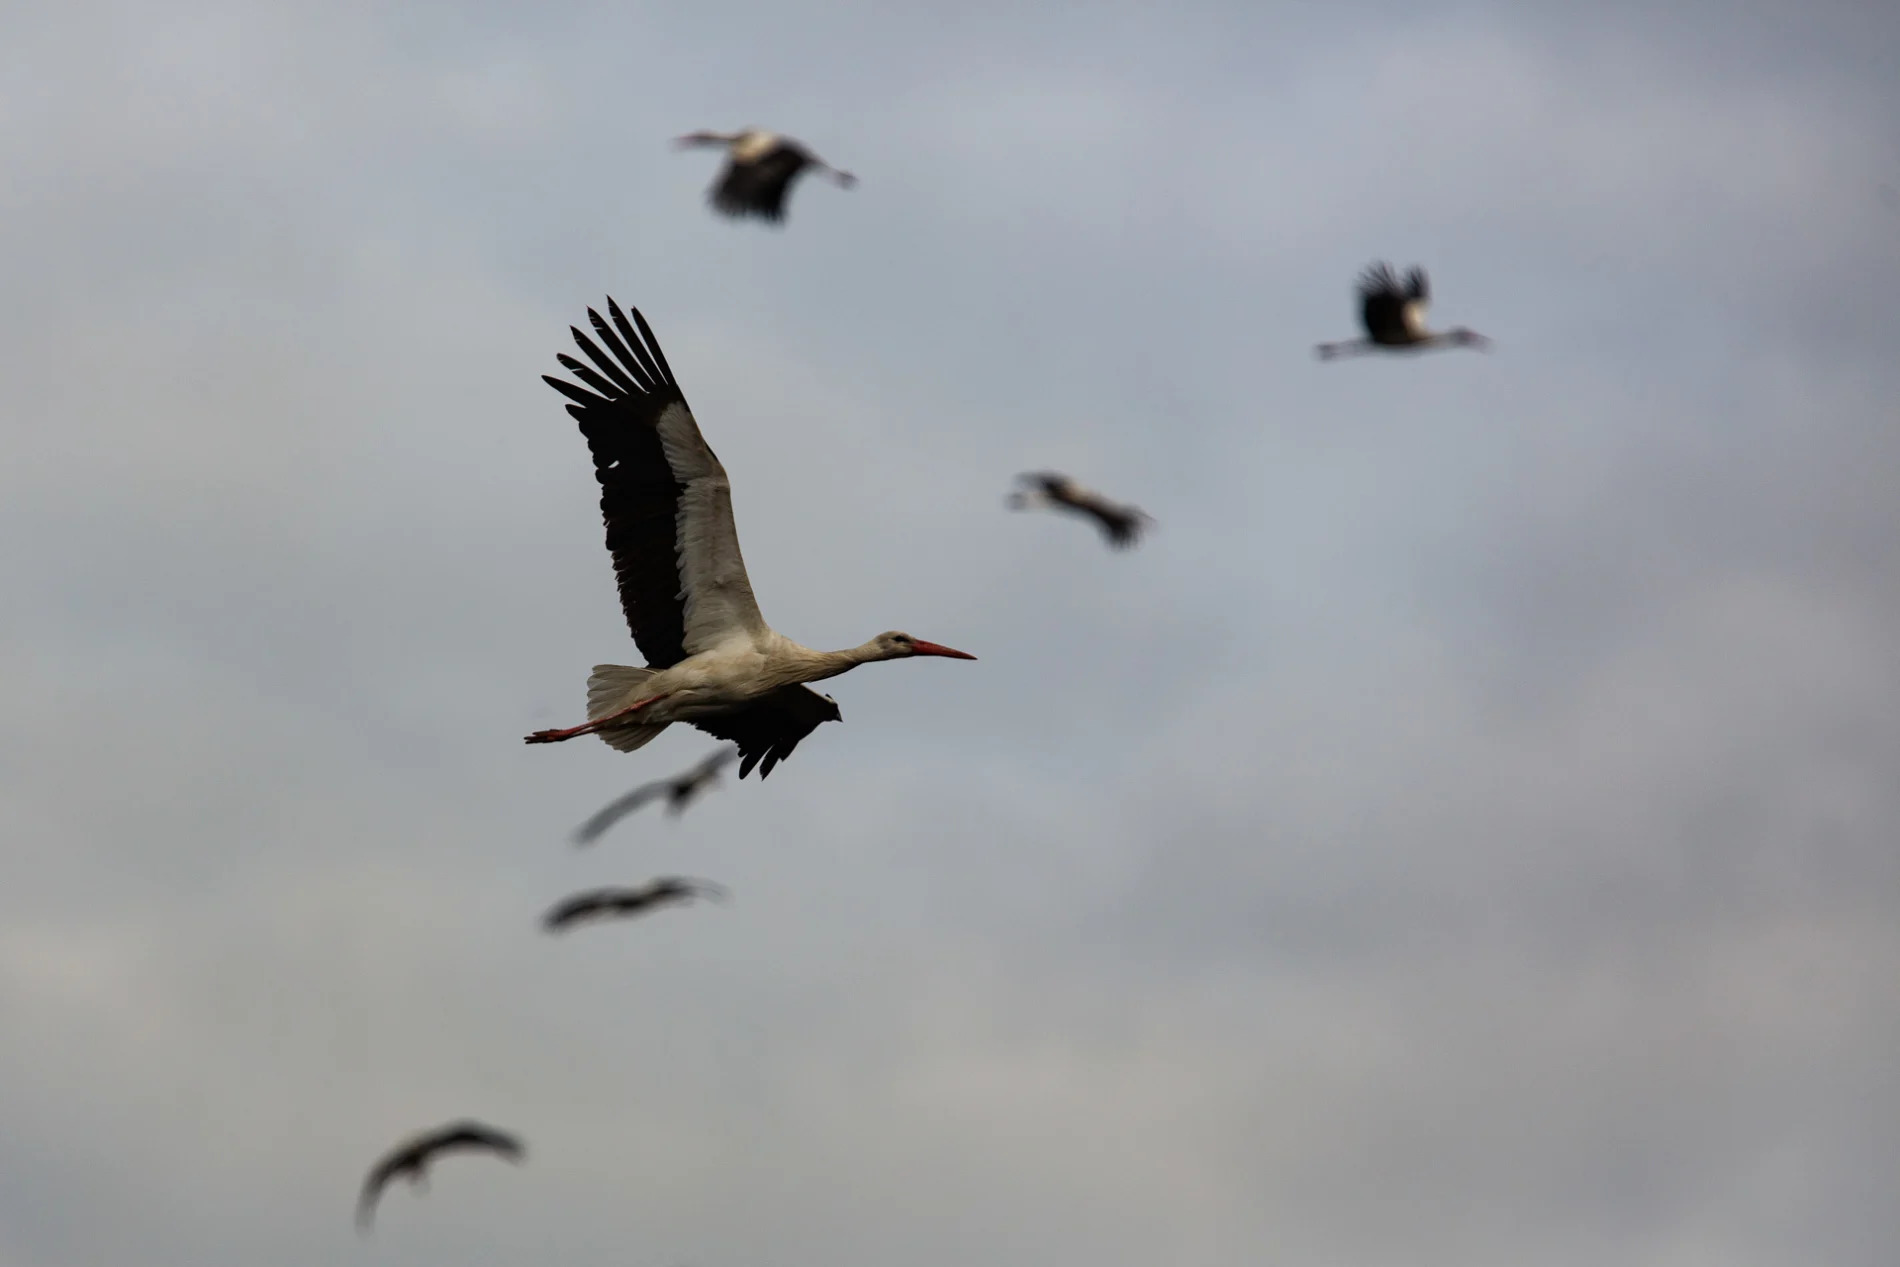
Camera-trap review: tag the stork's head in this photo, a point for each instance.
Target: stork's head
(896, 645)
(1464, 337)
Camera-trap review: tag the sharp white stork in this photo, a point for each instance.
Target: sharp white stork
(411, 1158)
(1393, 314)
(618, 903)
(679, 792)
(712, 661)
(1122, 525)
(760, 168)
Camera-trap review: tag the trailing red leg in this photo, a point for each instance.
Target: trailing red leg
(588, 728)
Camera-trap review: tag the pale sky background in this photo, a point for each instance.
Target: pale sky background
(1463, 835)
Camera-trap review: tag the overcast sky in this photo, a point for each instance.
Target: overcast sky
(1463, 835)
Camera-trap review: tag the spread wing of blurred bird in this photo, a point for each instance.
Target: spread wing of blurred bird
(679, 791)
(410, 1159)
(599, 904)
(1122, 525)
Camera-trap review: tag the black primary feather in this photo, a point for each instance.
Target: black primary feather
(639, 498)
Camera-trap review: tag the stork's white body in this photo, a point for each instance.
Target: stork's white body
(737, 671)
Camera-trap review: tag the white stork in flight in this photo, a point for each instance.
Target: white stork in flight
(1394, 317)
(760, 168)
(712, 661)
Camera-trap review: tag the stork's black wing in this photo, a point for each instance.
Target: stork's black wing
(1379, 279)
(1122, 525)
(639, 497)
(1049, 483)
(570, 909)
(758, 186)
(473, 1135)
(606, 817)
(710, 765)
(379, 1176)
(415, 1153)
(584, 905)
(1382, 301)
(771, 727)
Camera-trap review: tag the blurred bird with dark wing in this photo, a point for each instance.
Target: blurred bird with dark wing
(1393, 313)
(759, 171)
(410, 1159)
(679, 791)
(1121, 525)
(599, 904)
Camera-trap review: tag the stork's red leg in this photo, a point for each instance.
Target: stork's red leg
(588, 728)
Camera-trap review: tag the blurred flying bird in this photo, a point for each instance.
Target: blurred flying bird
(599, 904)
(760, 168)
(1122, 525)
(712, 661)
(679, 792)
(410, 1159)
(1393, 314)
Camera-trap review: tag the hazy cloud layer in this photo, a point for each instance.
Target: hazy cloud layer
(1461, 836)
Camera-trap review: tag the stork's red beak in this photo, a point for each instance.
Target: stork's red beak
(919, 647)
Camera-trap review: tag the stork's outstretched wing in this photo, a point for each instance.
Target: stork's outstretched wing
(664, 496)
(414, 1154)
(594, 828)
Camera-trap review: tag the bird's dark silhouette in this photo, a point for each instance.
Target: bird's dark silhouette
(679, 791)
(410, 1159)
(1121, 525)
(1393, 313)
(760, 168)
(599, 904)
